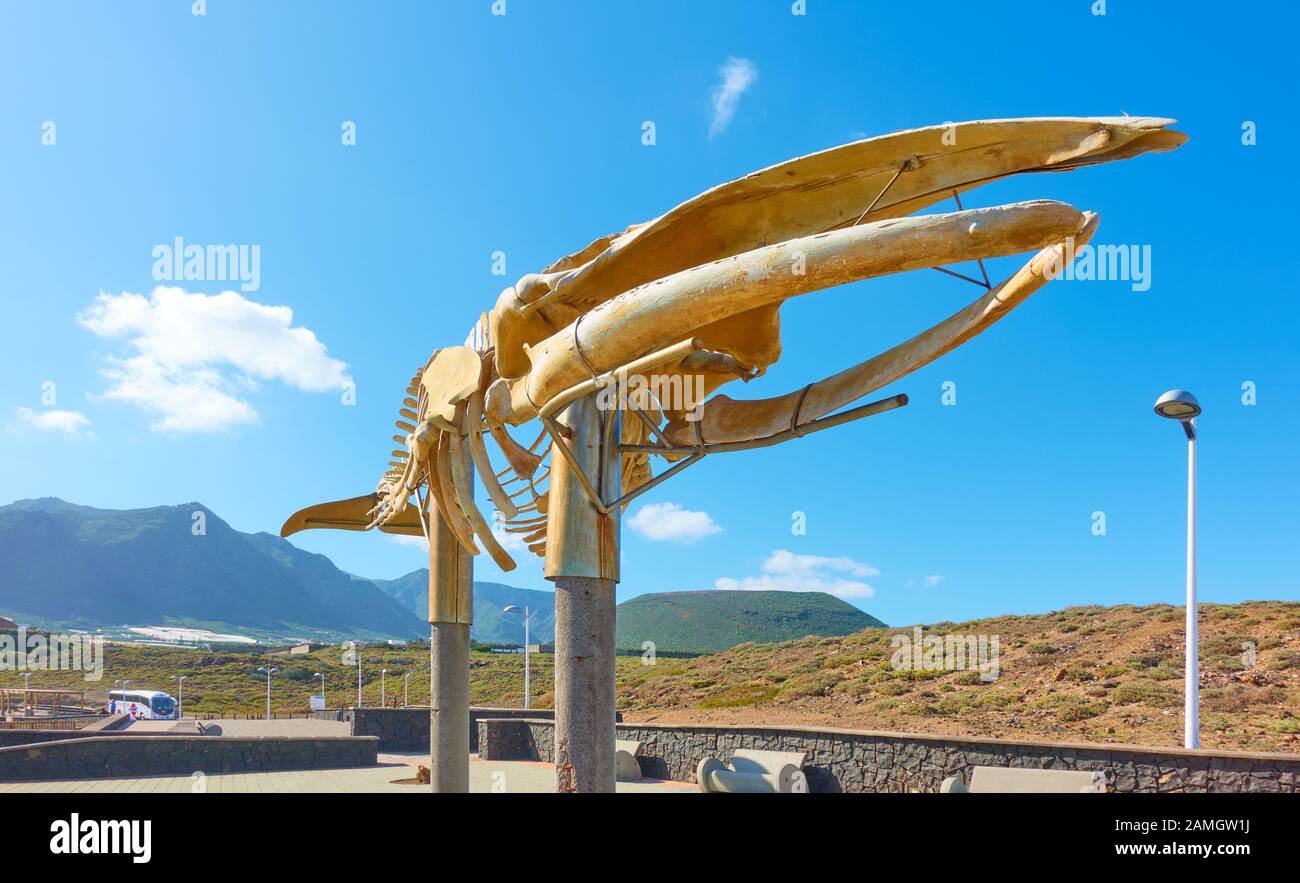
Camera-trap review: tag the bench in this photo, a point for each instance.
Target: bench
(1020, 780)
(754, 772)
(626, 766)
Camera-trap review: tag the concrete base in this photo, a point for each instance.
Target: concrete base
(584, 684)
(449, 712)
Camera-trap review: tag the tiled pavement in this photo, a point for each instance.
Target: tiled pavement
(484, 776)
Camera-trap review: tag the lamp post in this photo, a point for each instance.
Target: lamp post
(383, 693)
(321, 675)
(180, 695)
(269, 672)
(27, 696)
(1181, 405)
(524, 611)
(406, 689)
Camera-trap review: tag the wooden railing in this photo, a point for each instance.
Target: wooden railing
(52, 723)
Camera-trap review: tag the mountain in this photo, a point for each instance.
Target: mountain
(715, 620)
(491, 625)
(76, 565)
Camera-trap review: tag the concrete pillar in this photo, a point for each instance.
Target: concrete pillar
(449, 708)
(582, 559)
(451, 611)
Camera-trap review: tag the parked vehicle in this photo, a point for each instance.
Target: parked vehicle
(142, 704)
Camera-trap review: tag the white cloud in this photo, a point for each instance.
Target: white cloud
(69, 422)
(192, 358)
(403, 540)
(669, 521)
(787, 572)
(511, 542)
(931, 581)
(737, 75)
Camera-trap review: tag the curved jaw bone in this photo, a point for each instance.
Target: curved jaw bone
(697, 291)
(723, 420)
(656, 315)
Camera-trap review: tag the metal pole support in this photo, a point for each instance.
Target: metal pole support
(582, 559)
(451, 612)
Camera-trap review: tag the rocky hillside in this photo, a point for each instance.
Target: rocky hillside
(1099, 674)
(66, 564)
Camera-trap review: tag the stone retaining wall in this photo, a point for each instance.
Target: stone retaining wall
(100, 757)
(867, 761)
(108, 725)
(407, 729)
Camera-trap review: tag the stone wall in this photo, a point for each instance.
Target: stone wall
(106, 725)
(407, 729)
(99, 757)
(865, 761)
(332, 714)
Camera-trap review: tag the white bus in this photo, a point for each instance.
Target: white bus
(142, 704)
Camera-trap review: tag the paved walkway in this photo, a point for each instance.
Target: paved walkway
(484, 777)
(293, 727)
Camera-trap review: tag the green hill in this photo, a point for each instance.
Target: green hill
(714, 620)
(63, 564)
(491, 625)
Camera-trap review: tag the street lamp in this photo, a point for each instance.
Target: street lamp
(180, 695)
(524, 611)
(1181, 405)
(269, 672)
(406, 689)
(321, 675)
(383, 694)
(357, 653)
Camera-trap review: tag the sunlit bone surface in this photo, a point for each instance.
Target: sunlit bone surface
(695, 295)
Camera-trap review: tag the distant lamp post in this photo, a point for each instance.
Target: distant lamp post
(321, 675)
(269, 672)
(1181, 405)
(526, 615)
(406, 689)
(180, 695)
(383, 691)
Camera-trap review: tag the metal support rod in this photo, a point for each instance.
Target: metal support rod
(867, 410)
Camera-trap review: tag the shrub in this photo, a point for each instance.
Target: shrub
(818, 684)
(1165, 671)
(1076, 673)
(1069, 709)
(1146, 693)
(739, 695)
(1145, 660)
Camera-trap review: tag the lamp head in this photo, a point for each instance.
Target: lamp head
(1178, 404)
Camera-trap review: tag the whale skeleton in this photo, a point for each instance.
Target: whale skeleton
(695, 295)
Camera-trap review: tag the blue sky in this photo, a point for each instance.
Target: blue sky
(522, 133)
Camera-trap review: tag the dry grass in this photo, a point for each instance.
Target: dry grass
(1085, 673)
